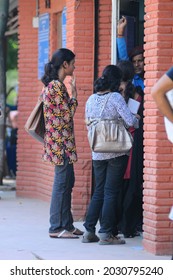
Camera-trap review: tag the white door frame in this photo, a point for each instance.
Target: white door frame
(115, 18)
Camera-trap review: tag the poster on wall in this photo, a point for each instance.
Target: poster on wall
(64, 20)
(43, 43)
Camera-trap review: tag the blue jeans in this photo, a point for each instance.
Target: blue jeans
(60, 207)
(108, 179)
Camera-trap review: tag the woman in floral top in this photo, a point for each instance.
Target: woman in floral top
(59, 141)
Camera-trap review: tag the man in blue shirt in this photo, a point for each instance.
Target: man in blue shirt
(136, 55)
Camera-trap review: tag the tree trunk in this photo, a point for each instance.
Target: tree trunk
(4, 4)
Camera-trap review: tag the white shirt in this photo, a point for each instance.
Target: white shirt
(115, 108)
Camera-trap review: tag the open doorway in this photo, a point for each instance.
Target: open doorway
(134, 12)
(131, 196)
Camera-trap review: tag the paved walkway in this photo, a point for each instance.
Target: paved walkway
(24, 226)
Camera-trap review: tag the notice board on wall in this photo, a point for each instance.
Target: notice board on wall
(43, 43)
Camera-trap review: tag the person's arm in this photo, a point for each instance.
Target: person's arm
(59, 102)
(122, 49)
(72, 83)
(158, 93)
(73, 100)
(125, 113)
(121, 43)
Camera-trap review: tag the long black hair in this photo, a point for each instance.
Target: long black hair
(128, 73)
(127, 69)
(110, 79)
(57, 60)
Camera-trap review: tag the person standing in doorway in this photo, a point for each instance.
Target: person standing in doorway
(59, 140)
(136, 56)
(130, 202)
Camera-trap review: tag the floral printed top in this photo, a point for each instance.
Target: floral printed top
(59, 110)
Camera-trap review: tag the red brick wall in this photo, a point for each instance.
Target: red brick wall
(80, 38)
(31, 171)
(158, 171)
(104, 29)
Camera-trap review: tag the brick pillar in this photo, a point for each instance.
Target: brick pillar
(104, 34)
(158, 171)
(80, 39)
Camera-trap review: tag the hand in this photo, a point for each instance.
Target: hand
(137, 116)
(72, 83)
(121, 25)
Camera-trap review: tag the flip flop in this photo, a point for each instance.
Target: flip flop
(77, 231)
(64, 234)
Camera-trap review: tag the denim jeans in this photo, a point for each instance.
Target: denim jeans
(60, 207)
(108, 178)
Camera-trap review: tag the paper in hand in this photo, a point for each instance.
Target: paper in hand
(133, 105)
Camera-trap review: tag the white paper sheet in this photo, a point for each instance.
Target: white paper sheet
(133, 105)
(168, 124)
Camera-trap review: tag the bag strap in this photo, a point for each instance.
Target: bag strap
(108, 96)
(90, 121)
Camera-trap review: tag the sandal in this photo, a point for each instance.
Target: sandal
(77, 231)
(89, 237)
(112, 240)
(64, 234)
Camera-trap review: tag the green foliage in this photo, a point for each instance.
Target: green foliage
(12, 52)
(12, 79)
